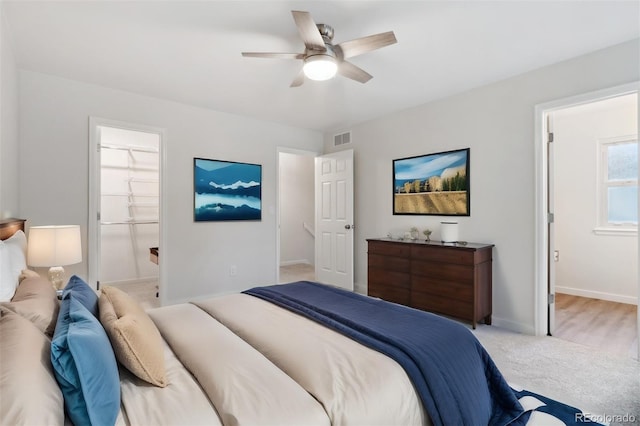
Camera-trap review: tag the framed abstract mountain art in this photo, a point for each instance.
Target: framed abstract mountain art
(226, 190)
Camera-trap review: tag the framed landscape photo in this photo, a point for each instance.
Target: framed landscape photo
(226, 190)
(432, 184)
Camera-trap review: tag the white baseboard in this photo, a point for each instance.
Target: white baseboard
(295, 262)
(517, 327)
(620, 298)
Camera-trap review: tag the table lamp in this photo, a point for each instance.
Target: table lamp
(54, 246)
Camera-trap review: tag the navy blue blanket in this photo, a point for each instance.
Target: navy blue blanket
(453, 374)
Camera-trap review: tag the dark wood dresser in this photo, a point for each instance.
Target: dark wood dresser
(449, 279)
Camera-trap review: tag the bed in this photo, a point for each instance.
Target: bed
(295, 354)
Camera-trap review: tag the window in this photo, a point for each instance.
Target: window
(618, 184)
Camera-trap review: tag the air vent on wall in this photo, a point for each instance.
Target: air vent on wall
(342, 139)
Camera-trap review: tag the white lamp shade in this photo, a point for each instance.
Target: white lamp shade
(320, 67)
(54, 245)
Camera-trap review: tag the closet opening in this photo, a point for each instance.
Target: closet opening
(126, 208)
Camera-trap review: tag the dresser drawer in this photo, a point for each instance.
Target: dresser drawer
(443, 254)
(442, 305)
(388, 248)
(444, 271)
(390, 263)
(389, 285)
(382, 278)
(449, 289)
(391, 294)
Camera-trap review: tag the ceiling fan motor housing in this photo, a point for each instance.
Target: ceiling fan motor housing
(326, 31)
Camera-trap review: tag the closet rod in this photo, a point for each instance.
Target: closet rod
(127, 194)
(131, 222)
(142, 204)
(134, 167)
(137, 148)
(141, 180)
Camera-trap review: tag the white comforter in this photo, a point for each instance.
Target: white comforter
(238, 360)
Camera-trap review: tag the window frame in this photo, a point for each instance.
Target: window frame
(604, 227)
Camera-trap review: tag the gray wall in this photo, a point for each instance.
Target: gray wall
(497, 123)
(8, 125)
(54, 132)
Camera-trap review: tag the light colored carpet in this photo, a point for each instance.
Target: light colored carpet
(297, 272)
(595, 381)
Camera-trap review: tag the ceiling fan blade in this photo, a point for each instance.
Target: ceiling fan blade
(308, 30)
(353, 72)
(356, 47)
(299, 80)
(273, 55)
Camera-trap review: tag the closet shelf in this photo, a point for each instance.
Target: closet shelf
(131, 222)
(133, 167)
(128, 194)
(141, 204)
(141, 180)
(133, 196)
(137, 148)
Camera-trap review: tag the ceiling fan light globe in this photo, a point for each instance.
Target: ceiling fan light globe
(320, 67)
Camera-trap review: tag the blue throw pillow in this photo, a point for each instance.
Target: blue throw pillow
(83, 293)
(85, 366)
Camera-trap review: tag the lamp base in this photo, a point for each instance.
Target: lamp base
(56, 277)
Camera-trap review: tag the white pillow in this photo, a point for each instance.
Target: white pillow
(12, 261)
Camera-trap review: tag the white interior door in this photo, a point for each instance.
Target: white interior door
(334, 219)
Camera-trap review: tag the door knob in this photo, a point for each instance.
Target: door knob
(349, 227)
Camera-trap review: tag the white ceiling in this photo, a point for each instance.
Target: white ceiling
(189, 52)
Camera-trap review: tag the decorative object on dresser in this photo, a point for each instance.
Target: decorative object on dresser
(449, 279)
(54, 246)
(449, 232)
(432, 184)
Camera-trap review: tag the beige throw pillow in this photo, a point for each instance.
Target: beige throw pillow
(135, 339)
(36, 300)
(29, 393)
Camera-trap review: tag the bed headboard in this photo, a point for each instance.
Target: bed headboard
(8, 227)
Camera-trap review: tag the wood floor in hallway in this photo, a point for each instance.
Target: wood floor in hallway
(598, 323)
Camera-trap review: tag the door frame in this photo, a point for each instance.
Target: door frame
(541, 252)
(93, 238)
(295, 151)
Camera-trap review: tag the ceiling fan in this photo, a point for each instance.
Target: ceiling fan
(321, 58)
